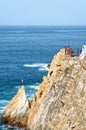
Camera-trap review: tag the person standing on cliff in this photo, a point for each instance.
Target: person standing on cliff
(22, 82)
(65, 50)
(70, 51)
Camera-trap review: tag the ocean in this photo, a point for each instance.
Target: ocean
(25, 52)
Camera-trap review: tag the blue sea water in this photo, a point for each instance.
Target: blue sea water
(25, 52)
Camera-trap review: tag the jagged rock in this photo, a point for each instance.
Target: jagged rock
(60, 102)
(56, 67)
(44, 88)
(48, 66)
(15, 111)
(64, 108)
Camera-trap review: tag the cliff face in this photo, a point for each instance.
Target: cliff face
(60, 102)
(64, 108)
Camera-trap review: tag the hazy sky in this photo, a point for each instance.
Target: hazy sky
(42, 12)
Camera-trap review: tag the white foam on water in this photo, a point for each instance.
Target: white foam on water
(35, 86)
(3, 104)
(17, 87)
(4, 101)
(30, 95)
(41, 66)
(31, 89)
(83, 52)
(35, 65)
(2, 109)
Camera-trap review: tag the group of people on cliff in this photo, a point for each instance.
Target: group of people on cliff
(69, 51)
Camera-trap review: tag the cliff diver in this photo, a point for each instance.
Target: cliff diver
(22, 82)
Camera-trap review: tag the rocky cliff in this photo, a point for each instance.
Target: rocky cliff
(15, 112)
(60, 102)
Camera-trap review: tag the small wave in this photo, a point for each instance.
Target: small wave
(31, 95)
(3, 104)
(4, 101)
(42, 66)
(35, 86)
(17, 87)
(1, 109)
(35, 65)
(43, 69)
(31, 90)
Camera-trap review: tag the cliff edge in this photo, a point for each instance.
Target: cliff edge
(60, 102)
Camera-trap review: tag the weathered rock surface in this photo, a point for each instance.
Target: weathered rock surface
(62, 103)
(14, 113)
(64, 108)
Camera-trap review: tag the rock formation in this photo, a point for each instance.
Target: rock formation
(60, 102)
(15, 112)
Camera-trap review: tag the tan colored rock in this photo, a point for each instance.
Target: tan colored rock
(56, 67)
(62, 104)
(64, 107)
(44, 88)
(14, 113)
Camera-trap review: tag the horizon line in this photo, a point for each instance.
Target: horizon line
(42, 25)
